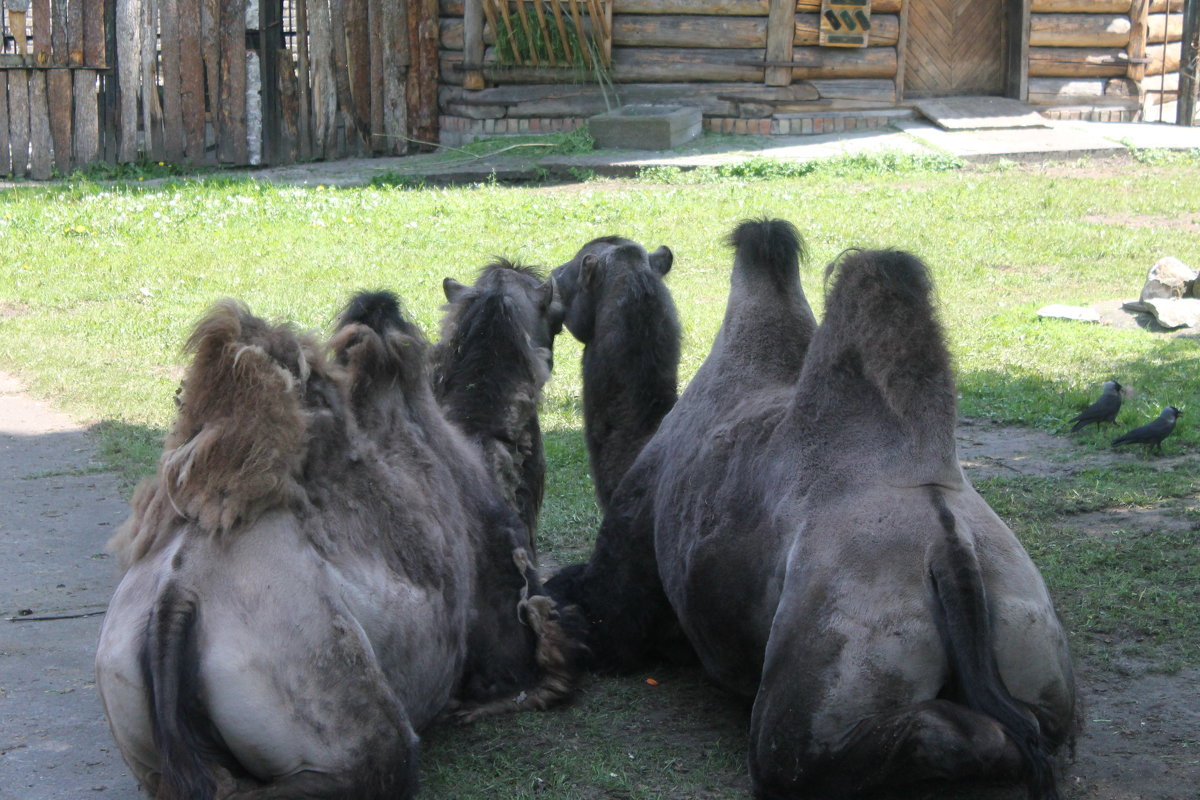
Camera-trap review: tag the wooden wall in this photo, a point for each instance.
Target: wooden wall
(51, 87)
(1104, 52)
(733, 58)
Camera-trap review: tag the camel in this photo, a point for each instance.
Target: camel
(494, 356)
(802, 516)
(321, 565)
(618, 306)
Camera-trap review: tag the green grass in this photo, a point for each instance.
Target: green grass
(100, 285)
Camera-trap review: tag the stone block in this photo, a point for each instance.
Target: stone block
(646, 127)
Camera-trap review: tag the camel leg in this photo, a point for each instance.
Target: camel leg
(932, 740)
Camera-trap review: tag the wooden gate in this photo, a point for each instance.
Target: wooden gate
(955, 47)
(50, 82)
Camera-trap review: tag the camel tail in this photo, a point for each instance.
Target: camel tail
(182, 730)
(965, 627)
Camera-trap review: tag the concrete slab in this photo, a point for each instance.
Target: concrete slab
(646, 127)
(1138, 134)
(975, 113)
(1024, 143)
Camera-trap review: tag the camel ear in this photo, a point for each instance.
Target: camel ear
(453, 289)
(550, 302)
(661, 260)
(587, 270)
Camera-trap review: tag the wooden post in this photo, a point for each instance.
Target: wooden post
(232, 147)
(1016, 81)
(58, 89)
(16, 23)
(781, 30)
(379, 143)
(40, 157)
(1139, 17)
(473, 44)
(422, 87)
(304, 143)
(5, 150)
(1185, 111)
(41, 33)
(191, 79)
(172, 88)
(129, 68)
(901, 50)
(396, 64)
(18, 119)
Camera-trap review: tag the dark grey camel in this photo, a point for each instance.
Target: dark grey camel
(494, 357)
(802, 515)
(618, 306)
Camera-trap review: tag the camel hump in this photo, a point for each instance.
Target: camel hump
(239, 441)
(379, 348)
(772, 245)
(881, 329)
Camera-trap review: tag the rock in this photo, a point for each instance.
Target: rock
(1169, 278)
(1077, 313)
(1170, 312)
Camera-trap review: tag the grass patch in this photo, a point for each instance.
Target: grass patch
(99, 286)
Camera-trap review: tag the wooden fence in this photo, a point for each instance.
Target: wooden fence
(51, 70)
(230, 82)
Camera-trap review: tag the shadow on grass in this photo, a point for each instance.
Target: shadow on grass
(131, 451)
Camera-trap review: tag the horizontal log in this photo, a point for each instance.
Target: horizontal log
(1079, 30)
(885, 30)
(722, 8)
(1075, 91)
(1079, 6)
(1163, 58)
(1168, 25)
(877, 6)
(450, 33)
(653, 64)
(1077, 62)
(873, 90)
(844, 62)
(630, 30)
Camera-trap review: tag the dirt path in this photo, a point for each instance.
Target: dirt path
(1142, 739)
(58, 511)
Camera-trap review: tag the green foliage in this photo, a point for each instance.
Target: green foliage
(762, 168)
(1161, 157)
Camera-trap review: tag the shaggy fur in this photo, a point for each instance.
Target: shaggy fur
(269, 643)
(802, 517)
(489, 368)
(619, 308)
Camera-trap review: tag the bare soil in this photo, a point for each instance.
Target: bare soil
(1142, 729)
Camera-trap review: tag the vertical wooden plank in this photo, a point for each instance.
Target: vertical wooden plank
(75, 34)
(358, 56)
(781, 33)
(1189, 64)
(16, 25)
(60, 93)
(152, 133)
(18, 119)
(191, 80)
(379, 142)
(1016, 46)
(289, 108)
(5, 150)
(232, 147)
(41, 33)
(93, 34)
(172, 87)
(473, 43)
(129, 72)
(396, 58)
(110, 109)
(304, 145)
(901, 50)
(324, 90)
(423, 72)
(1139, 26)
(341, 70)
(86, 128)
(210, 47)
(40, 157)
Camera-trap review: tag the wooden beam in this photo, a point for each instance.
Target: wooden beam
(1185, 112)
(781, 35)
(1077, 62)
(191, 80)
(232, 147)
(5, 150)
(1017, 44)
(901, 51)
(18, 119)
(59, 91)
(472, 38)
(40, 156)
(1079, 30)
(1139, 13)
(172, 92)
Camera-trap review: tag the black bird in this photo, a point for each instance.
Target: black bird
(1153, 433)
(1103, 410)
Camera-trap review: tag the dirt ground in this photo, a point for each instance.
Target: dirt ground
(1141, 741)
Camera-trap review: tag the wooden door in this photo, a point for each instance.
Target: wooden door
(955, 47)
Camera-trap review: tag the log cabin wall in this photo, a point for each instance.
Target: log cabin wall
(752, 66)
(1104, 59)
